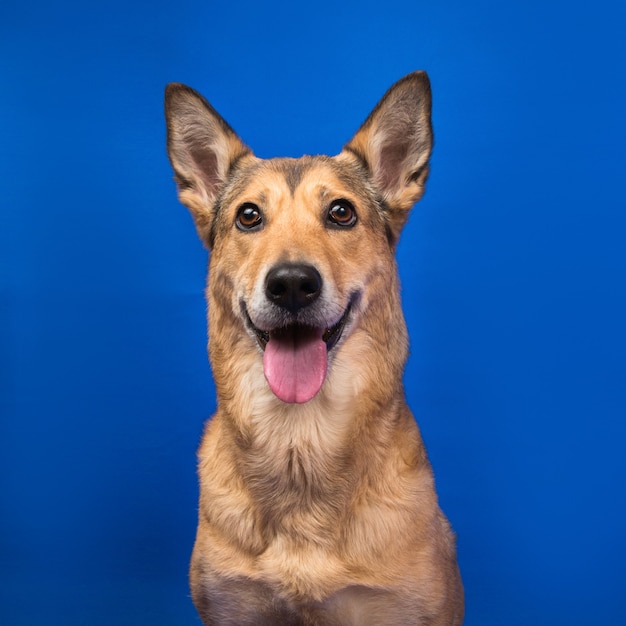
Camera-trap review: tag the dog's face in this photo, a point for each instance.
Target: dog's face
(298, 241)
(302, 249)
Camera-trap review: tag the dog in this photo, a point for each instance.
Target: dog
(317, 499)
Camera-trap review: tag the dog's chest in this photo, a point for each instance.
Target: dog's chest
(302, 570)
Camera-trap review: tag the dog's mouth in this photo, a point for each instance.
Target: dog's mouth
(330, 336)
(295, 356)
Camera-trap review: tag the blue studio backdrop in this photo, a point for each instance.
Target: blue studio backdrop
(513, 270)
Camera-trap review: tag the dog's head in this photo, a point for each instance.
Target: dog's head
(302, 249)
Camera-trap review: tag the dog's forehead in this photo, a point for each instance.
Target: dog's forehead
(288, 178)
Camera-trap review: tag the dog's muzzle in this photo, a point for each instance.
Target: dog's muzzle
(295, 347)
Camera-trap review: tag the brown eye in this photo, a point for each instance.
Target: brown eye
(341, 213)
(248, 216)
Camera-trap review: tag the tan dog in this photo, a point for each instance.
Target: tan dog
(317, 502)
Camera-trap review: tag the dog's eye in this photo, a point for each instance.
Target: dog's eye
(342, 213)
(248, 216)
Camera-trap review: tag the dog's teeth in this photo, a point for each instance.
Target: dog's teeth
(263, 336)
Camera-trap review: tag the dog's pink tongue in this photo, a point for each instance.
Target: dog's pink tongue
(294, 364)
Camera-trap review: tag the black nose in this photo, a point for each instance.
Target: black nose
(293, 286)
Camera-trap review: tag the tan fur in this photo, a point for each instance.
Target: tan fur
(321, 513)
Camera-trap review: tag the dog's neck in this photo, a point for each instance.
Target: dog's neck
(301, 457)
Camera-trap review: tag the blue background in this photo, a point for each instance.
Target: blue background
(513, 270)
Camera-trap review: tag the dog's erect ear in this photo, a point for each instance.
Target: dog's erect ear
(202, 149)
(395, 143)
